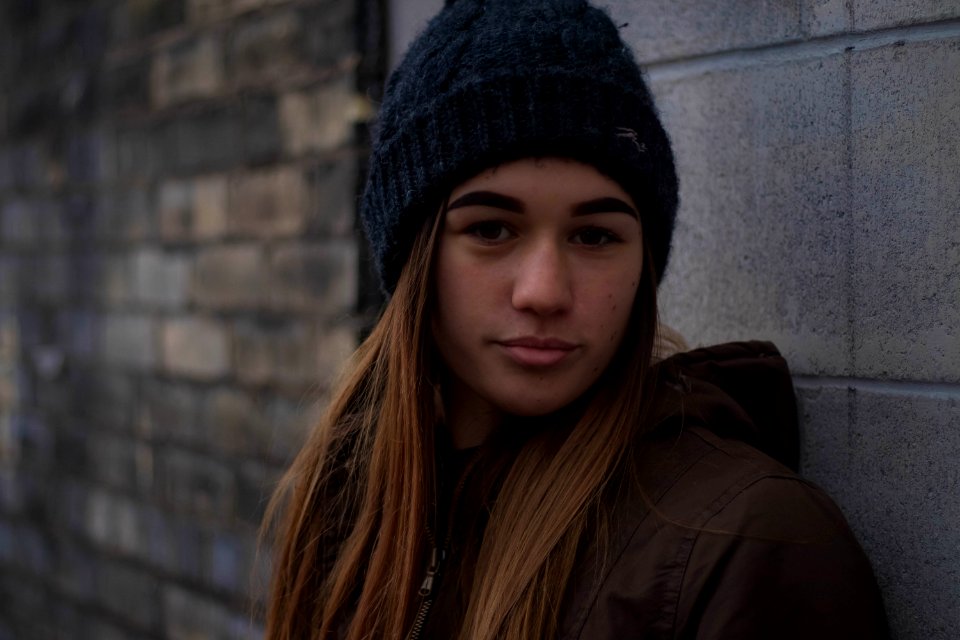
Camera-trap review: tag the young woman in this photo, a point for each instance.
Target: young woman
(511, 453)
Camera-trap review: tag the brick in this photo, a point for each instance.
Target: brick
(279, 354)
(321, 278)
(230, 277)
(886, 454)
(235, 422)
(760, 249)
(189, 70)
(119, 462)
(907, 245)
(10, 283)
(160, 279)
(170, 412)
(320, 119)
(111, 395)
(116, 276)
(77, 332)
(267, 47)
(127, 85)
(128, 341)
(131, 594)
(328, 31)
(688, 28)
(175, 200)
(19, 221)
(49, 278)
(192, 615)
(193, 210)
(875, 14)
(195, 348)
(192, 483)
(210, 140)
(126, 215)
(262, 140)
(139, 152)
(291, 421)
(255, 484)
(268, 203)
(209, 207)
(111, 522)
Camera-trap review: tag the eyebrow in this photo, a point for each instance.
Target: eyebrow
(506, 203)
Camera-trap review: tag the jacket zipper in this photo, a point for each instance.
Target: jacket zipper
(437, 556)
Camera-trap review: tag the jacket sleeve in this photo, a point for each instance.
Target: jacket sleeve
(779, 561)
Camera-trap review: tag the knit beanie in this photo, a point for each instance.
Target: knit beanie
(490, 81)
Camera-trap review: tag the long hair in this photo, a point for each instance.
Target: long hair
(350, 515)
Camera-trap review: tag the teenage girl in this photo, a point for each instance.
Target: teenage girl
(514, 452)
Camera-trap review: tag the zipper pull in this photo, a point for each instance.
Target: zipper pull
(427, 587)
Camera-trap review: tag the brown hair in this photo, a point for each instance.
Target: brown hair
(350, 515)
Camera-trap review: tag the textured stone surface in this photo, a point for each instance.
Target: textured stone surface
(268, 203)
(760, 249)
(319, 119)
(188, 69)
(231, 277)
(129, 341)
(888, 455)
(906, 203)
(196, 348)
(874, 14)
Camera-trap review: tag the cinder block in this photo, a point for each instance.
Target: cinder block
(887, 455)
(268, 203)
(761, 243)
(196, 348)
(906, 202)
(230, 277)
(320, 119)
(188, 70)
(665, 29)
(195, 484)
(876, 14)
(129, 341)
(824, 17)
(160, 279)
(321, 278)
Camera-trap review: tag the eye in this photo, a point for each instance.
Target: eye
(595, 237)
(489, 231)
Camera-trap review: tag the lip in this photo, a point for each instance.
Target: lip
(536, 352)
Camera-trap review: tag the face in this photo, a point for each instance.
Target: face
(538, 265)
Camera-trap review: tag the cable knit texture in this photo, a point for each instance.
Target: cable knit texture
(490, 81)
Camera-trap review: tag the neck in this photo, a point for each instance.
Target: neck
(470, 419)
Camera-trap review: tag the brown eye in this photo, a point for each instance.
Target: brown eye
(489, 230)
(595, 237)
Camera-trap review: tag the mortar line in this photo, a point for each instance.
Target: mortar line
(897, 387)
(794, 50)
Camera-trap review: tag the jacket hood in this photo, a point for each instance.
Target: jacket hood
(738, 390)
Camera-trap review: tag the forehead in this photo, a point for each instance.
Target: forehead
(550, 178)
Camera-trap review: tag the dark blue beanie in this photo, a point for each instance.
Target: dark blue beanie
(491, 81)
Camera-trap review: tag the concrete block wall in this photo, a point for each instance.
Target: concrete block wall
(179, 281)
(818, 145)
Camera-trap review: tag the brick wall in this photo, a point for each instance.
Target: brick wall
(179, 280)
(817, 144)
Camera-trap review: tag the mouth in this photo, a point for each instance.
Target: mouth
(535, 352)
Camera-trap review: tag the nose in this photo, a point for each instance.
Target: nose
(542, 282)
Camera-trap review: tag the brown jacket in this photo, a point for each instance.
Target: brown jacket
(711, 537)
